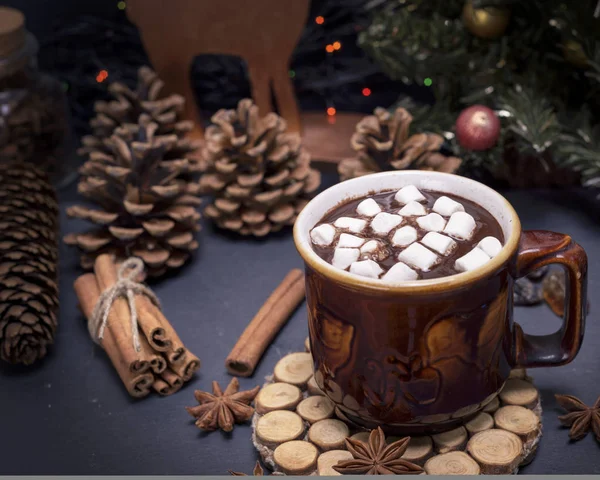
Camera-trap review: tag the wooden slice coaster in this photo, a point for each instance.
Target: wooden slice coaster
(296, 457)
(497, 452)
(295, 368)
(277, 396)
(492, 406)
(520, 421)
(483, 421)
(450, 441)
(327, 460)
(503, 436)
(314, 409)
(279, 427)
(519, 392)
(329, 434)
(452, 463)
(313, 388)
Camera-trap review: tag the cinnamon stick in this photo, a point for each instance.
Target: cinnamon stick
(120, 326)
(261, 330)
(187, 368)
(136, 383)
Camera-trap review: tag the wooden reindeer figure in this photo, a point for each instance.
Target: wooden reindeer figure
(261, 32)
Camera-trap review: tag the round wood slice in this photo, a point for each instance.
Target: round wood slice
(361, 436)
(327, 460)
(519, 392)
(518, 420)
(329, 434)
(497, 452)
(295, 368)
(521, 374)
(296, 457)
(277, 396)
(452, 463)
(314, 409)
(279, 427)
(483, 421)
(451, 440)
(492, 406)
(419, 449)
(313, 388)
(307, 344)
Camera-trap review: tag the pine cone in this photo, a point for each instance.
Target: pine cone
(28, 264)
(148, 201)
(259, 175)
(382, 143)
(127, 107)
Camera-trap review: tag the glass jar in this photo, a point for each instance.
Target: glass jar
(34, 115)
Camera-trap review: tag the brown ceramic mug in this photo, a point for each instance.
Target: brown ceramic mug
(427, 355)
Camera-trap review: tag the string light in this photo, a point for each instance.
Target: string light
(329, 48)
(121, 5)
(102, 75)
(331, 111)
(337, 45)
(366, 92)
(427, 82)
(320, 20)
(292, 73)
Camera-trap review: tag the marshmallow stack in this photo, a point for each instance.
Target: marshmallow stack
(418, 237)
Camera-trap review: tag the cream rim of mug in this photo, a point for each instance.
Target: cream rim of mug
(464, 187)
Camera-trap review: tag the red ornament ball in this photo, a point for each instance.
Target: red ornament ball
(477, 128)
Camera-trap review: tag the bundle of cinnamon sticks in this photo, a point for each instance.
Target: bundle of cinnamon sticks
(162, 362)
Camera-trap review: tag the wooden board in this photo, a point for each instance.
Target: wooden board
(323, 432)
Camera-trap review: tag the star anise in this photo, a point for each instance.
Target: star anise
(223, 409)
(257, 472)
(580, 418)
(376, 458)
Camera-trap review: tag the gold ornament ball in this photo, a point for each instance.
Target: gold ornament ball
(488, 22)
(574, 54)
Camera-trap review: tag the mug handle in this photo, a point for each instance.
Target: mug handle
(538, 248)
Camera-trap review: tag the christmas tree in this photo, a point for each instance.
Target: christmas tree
(514, 83)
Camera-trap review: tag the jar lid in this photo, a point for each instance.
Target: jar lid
(12, 30)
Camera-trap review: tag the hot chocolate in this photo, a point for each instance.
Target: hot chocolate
(406, 235)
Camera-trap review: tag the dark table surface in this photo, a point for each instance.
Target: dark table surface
(71, 415)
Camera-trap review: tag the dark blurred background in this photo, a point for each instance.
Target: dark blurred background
(79, 39)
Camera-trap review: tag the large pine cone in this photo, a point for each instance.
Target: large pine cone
(128, 105)
(259, 175)
(28, 264)
(382, 143)
(148, 201)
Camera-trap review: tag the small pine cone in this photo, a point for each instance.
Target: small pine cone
(259, 175)
(128, 105)
(28, 264)
(382, 143)
(148, 201)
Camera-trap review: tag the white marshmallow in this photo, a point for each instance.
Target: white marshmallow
(368, 208)
(350, 241)
(366, 268)
(343, 257)
(446, 206)
(374, 249)
(461, 225)
(355, 225)
(416, 255)
(323, 234)
(400, 273)
(404, 236)
(491, 246)
(413, 209)
(432, 222)
(408, 194)
(439, 243)
(472, 260)
(384, 222)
